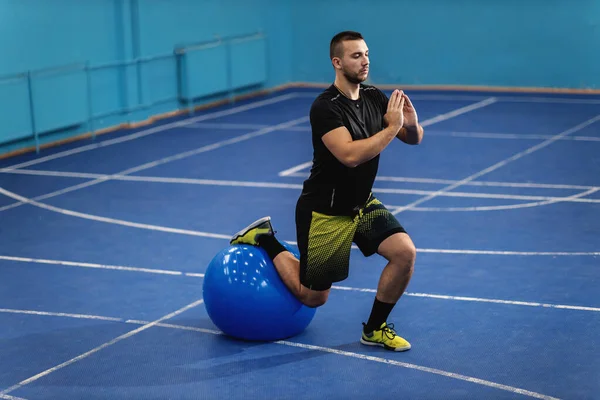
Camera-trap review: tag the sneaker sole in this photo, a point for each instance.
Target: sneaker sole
(385, 346)
(249, 227)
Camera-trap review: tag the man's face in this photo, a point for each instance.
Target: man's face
(355, 62)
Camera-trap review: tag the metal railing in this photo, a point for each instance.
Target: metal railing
(122, 88)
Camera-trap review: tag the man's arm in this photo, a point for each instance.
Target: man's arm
(411, 135)
(355, 152)
(411, 132)
(352, 153)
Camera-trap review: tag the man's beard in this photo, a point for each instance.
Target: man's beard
(353, 78)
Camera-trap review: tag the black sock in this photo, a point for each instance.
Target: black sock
(271, 245)
(379, 315)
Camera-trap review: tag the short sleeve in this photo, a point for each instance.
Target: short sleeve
(324, 117)
(382, 100)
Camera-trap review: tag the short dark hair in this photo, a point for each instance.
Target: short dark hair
(335, 48)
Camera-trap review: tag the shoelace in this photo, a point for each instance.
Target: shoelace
(389, 331)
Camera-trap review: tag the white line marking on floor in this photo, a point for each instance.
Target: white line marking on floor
(347, 288)
(510, 99)
(498, 165)
(97, 349)
(297, 168)
(157, 179)
(55, 314)
(90, 265)
(451, 134)
(156, 129)
(92, 217)
(116, 221)
(329, 350)
(487, 183)
(510, 136)
(575, 197)
(511, 253)
(7, 397)
(459, 111)
(479, 300)
(471, 183)
(215, 146)
(164, 160)
(500, 98)
(194, 275)
(419, 368)
(110, 220)
(541, 200)
(59, 174)
(226, 126)
(240, 126)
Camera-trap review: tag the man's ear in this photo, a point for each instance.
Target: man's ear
(336, 62)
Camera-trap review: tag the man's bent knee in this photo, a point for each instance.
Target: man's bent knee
(314, 298)
(399, 249)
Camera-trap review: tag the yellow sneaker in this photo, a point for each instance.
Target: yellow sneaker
(251, 233)
(385, 337)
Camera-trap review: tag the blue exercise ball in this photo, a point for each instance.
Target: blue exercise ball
(246, 299)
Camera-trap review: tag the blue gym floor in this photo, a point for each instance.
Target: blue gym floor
(103, 245)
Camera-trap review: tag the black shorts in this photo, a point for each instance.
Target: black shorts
(324, 241)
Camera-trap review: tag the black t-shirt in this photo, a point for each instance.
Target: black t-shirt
(333, 188)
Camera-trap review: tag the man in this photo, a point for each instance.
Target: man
(352, 123)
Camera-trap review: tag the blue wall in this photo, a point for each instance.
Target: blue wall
(106, 35)
(524, 43)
